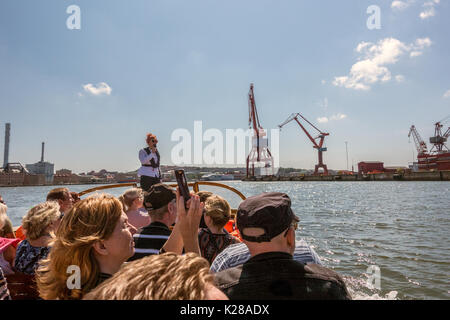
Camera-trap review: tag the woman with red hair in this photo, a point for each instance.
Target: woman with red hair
(150, 159)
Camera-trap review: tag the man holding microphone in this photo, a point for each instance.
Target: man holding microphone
(150, 160)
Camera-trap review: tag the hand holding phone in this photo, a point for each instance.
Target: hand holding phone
(182, 185)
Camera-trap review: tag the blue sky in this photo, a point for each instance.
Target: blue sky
(168, 63)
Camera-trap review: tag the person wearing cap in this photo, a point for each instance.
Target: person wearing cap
(149, 157)
(160, 203)
(267, 226)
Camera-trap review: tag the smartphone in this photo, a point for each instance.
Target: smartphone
(182, 185)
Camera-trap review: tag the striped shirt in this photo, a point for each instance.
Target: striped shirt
(150, 240)
(237, 254)
(4, 293)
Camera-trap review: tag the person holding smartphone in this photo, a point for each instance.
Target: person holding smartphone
(150, 159)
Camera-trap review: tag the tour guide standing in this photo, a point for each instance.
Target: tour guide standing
(150, 159)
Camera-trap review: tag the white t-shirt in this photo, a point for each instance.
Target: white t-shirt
(145, 159)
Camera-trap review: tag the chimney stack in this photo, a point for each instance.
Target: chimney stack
(42, 152)
(6, 153)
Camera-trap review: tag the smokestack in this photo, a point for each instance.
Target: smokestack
(6, 153)
(42, 152)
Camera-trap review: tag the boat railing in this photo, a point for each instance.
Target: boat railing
(195, 187)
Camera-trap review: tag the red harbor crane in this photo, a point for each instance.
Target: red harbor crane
(260, 153)
(317, 141)
(421, 146)
(439, 139)
(438, 158)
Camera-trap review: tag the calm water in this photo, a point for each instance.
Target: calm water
(402, 228)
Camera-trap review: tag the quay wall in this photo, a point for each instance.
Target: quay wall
(385, 176)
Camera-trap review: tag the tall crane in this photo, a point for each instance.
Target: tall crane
(316, 144)
(439, 138)
(260, 152)
(420, 144)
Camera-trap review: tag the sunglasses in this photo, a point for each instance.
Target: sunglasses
(1, 201)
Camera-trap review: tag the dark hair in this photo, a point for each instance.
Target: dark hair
(58, 194)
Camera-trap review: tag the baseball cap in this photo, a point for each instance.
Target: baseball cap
(270, 211)
(158, 196)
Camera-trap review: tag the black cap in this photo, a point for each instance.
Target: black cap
(269, 211)
(158, 196)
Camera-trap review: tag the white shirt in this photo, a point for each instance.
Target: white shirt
(145, 159)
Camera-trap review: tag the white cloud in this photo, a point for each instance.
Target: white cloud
(400, 5)
(427, 13)
(446, 94)
(399, 78)
(323, 81)
(429, 10)
(422, 43)
(102, 88)
(372, 65)
(415, 54)
(338, 116)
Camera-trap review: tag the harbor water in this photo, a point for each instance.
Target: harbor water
(396, 233)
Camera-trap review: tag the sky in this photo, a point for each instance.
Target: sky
(92, 93)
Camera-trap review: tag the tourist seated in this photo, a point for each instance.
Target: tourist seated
(7, 245)
(160, 203)
(7, 254)
(63, 197)
(94, 236)
(75, 197)
(213, 239)
(237, 254)
(267, 226)
(4, 292)
(40, 224)
(161, 277)
(204, 195)
(133, 205)
(7, 230)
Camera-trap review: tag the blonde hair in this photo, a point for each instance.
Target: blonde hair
(3, 216)
(90, 220)
(158, 277)
(129, 196)
(218, 209)
(39, 217)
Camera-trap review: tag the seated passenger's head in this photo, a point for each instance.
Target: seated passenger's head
(204, 195)
(266, 223)
(3, 215)
(161, 204)
(132, 198)
(217, 211)
(42, 220)
(161, 277)
(75, 197)
(95, 237)
(63, 197)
